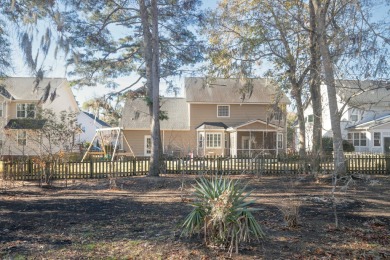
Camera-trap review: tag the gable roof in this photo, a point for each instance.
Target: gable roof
(20, 88)
(255, 122)
(136, 114)
(227, 91)
(99, 121)
(364, 93)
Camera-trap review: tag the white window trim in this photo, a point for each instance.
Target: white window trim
(201, 135)
(220, 140)
(17, 137)
(359, 139)
(380, 139)
(146, 137)
(354, 112)
(26, 110)
(279, 140)
(228, 106)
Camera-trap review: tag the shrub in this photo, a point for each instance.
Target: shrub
(327, 145)
(221, 213)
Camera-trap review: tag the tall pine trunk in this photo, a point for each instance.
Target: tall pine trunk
(156, 137)
(151, 55)
(321, 9)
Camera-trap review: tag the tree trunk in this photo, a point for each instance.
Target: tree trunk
(321, 8)
(156, 138)
(315, 92)
(151, 55)
(297, 95)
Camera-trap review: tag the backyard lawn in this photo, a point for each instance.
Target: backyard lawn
(140, 219)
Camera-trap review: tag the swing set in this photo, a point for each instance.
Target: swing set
(105, 137)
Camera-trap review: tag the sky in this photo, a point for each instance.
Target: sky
(55, 68)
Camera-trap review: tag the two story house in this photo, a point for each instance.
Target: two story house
(89, 123)
(225, 117)
(365, 118)
(20, 101)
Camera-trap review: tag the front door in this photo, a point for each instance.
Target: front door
(386, 143)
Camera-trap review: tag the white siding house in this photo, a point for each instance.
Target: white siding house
(365, 121)
(89, 124)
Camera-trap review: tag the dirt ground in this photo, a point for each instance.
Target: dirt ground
(141, 217)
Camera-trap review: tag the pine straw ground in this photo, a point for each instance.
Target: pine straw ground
(140, 219)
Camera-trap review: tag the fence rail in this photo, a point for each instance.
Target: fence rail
(365, 164)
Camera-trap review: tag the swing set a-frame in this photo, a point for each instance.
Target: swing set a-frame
(107, 150)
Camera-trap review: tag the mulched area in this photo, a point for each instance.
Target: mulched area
(140, 217)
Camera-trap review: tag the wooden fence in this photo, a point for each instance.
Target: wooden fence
(365, 164)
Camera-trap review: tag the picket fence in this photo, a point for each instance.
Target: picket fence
(30, 170)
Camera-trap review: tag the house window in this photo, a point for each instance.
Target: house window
(377, 139)
(213, 140)
(278, 116)
(279, 139)
(310, 118)
(200, 140)
(354, 115)
(223, 111)
(148, 145)
(357, 139)
(22, 138)
(1, 142)
(25, 110)
(1, 110)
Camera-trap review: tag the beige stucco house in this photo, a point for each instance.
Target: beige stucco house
(214, 118)
(21, 99)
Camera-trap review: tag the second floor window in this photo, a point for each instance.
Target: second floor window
(354, 115)
(1, 110)
(223, 111)
(25, 110)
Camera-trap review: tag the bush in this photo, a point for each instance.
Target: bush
(221, 213)
(327, 145)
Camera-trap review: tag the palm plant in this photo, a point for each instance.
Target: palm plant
(222, 214)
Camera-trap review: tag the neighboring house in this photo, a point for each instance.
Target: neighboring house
(365, 121)
(89, 123)
(219, 118)
(21, 99)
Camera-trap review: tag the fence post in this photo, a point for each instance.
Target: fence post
(134, 166)
(91, 169)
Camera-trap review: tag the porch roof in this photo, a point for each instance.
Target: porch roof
(211, 125)
(25, 124)
(255, 125)
(371, 124)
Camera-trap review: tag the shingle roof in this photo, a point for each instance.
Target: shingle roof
(24, 88)
(136, 114)
(212, 125)
(366, 93)
(25, 124)
(372, 123)
(232, 91)
(101, 122)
